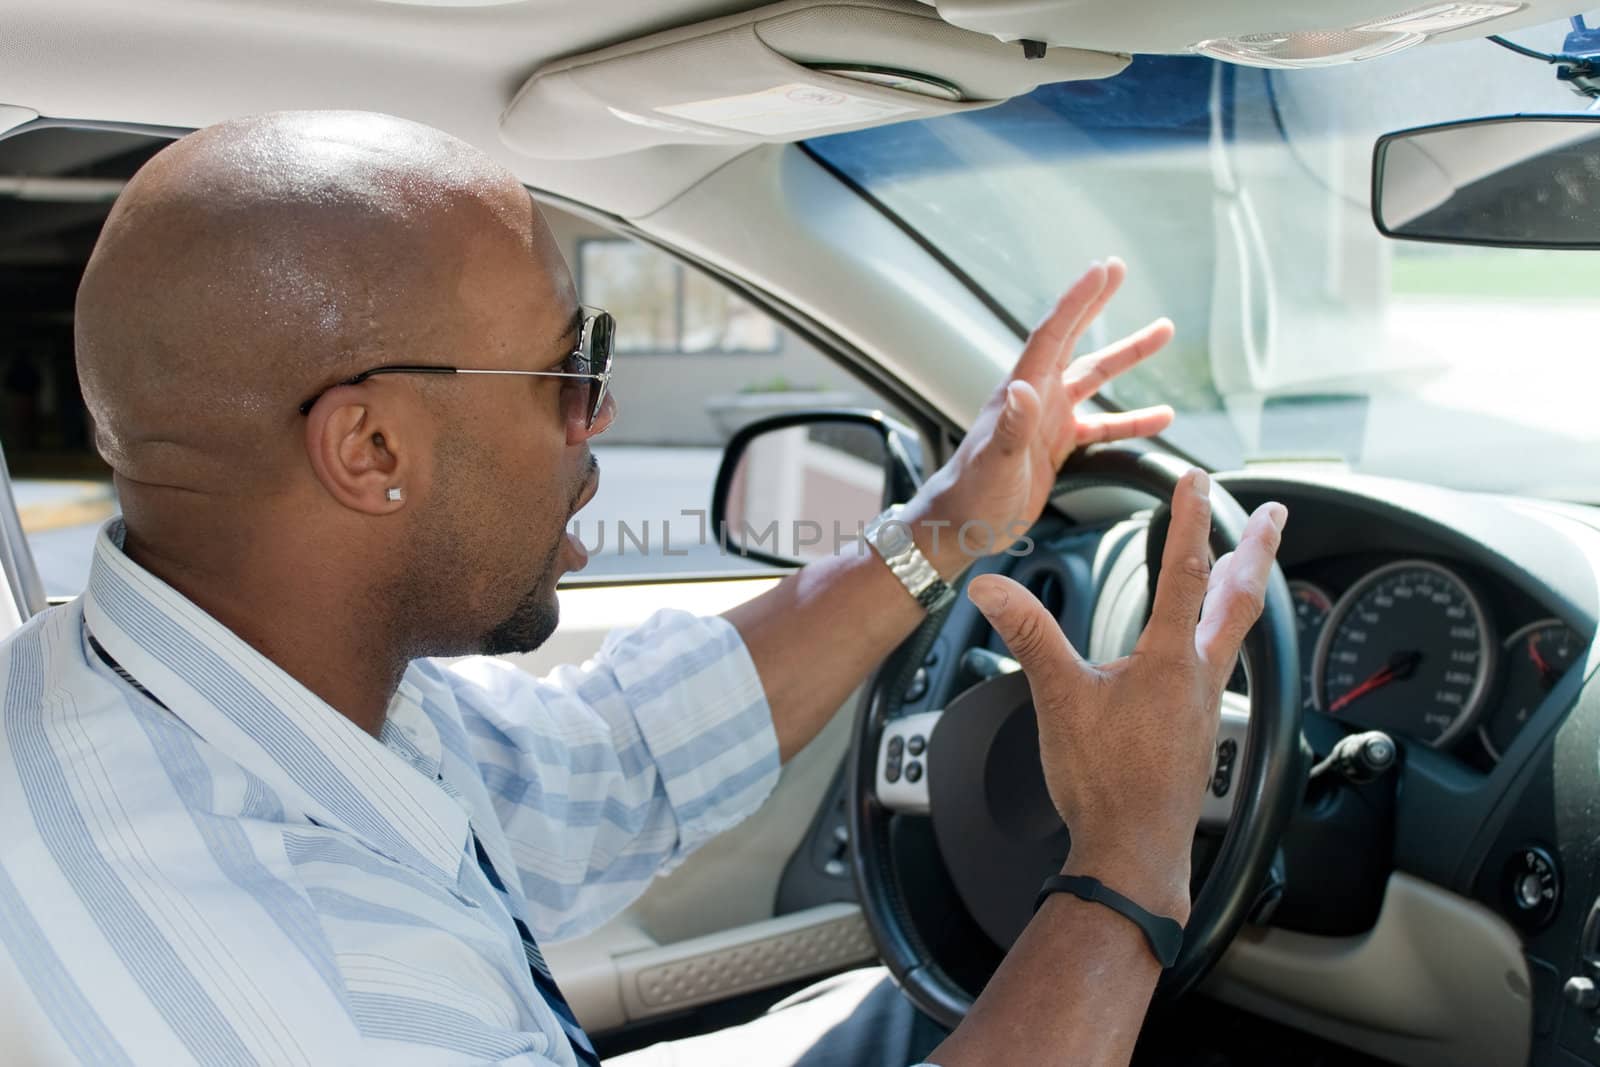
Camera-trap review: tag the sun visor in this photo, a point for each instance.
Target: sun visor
(780, 73)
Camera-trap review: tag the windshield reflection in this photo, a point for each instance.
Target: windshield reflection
(1239, 198)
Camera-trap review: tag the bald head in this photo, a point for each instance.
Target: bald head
(255, 265)
(254, 262)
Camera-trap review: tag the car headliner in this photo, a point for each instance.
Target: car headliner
(456, 64)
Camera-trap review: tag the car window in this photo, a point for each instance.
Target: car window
(63, 184)
(695, 362)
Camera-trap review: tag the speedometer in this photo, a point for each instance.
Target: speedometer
(1409, 650)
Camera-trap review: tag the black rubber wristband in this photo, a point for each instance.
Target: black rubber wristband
(1164, 934)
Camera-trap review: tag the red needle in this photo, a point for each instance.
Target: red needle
(1377, 681)
(1533, 650)
(1400, 665)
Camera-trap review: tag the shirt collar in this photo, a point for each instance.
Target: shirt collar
(247, 707)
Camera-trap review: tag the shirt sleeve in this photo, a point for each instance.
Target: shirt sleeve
(607, 774)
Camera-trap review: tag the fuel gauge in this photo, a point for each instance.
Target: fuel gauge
(1312, 606)
(1536, 657)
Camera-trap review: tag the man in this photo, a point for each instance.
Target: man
(244, 820)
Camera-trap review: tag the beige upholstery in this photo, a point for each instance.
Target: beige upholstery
(749, 79)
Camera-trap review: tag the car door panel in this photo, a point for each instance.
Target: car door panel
(707, 930)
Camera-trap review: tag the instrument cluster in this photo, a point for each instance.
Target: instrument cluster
(1421, 650)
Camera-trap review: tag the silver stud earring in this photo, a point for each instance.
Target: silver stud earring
(394, 493)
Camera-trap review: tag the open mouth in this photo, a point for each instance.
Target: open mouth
(590, 488)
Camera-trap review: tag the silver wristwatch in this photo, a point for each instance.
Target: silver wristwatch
(890, 535)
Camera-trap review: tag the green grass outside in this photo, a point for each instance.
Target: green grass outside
(1497, 273)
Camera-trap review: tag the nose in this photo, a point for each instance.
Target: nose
(608, 411)
(577, 433)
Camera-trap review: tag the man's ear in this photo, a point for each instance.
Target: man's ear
(362, 452)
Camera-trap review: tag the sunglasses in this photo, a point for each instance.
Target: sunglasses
(590, 363)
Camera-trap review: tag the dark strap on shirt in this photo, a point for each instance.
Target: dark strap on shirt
(543, 981)
(105, 657)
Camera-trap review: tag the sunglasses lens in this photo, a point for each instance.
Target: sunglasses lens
(598, 355)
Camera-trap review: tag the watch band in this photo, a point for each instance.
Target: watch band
(907, 562)
(1165, 935)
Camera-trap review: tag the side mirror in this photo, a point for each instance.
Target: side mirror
(1523, 181)
(802, 486)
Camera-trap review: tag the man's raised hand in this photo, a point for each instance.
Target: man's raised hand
(1127, 746)
(1001, 475)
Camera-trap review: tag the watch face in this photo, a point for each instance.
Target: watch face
(894, 538)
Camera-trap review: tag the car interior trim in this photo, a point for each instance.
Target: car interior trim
(747, 958)
(1439, 981)
(897, 301)
(729, 887)
(747, 77)
(24, 592)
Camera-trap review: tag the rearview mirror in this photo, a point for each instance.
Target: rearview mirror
(801, 486)
(1524, 181)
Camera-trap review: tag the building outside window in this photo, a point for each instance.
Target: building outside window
(661, 307)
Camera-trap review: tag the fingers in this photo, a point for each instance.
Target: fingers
(1019, 418)
(1120, 425)
(1235, 603)
(1116, 271)
(1087, 375)
(1043, 354)
(1031, 633)
(1219, 573)
(1185, 572)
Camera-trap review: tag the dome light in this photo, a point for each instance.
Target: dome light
(1367, 40)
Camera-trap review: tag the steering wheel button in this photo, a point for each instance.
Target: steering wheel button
(917, 745)
(914, 771)
(897, 744)
(918, 687)
(891, 773)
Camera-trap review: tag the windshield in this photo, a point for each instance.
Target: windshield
(1240, 199)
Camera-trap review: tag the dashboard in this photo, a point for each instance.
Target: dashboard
(1462, 625)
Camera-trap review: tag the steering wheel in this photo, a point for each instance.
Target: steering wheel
(979, 778)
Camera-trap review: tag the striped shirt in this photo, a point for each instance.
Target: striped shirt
(214, 866)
